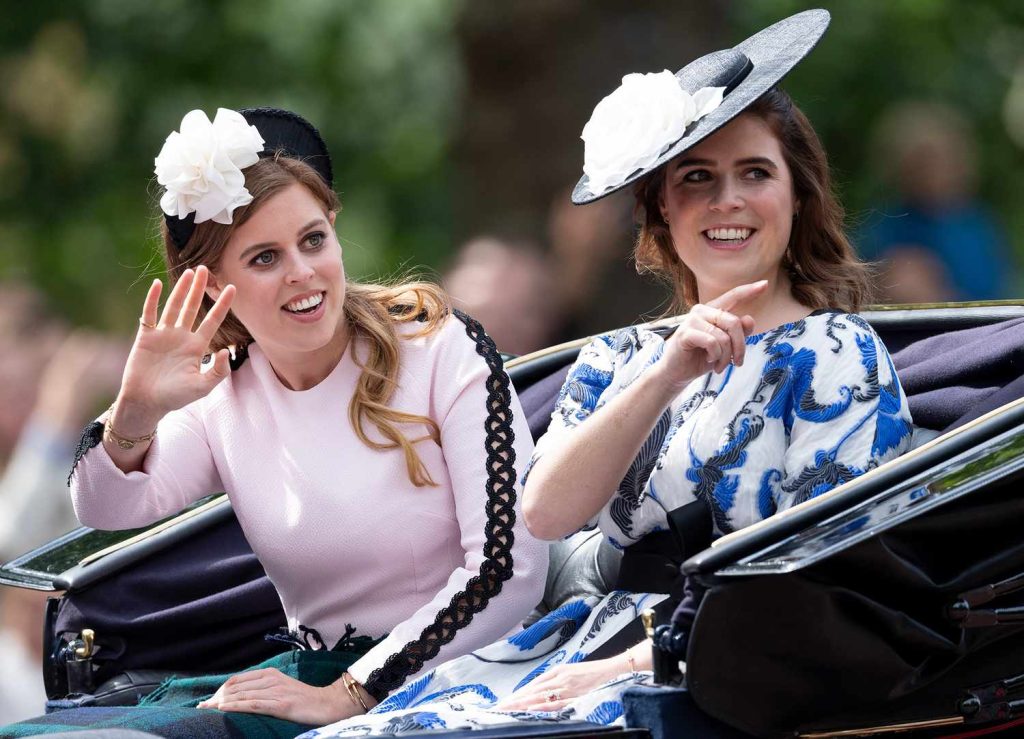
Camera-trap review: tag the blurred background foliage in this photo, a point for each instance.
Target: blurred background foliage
(445, 118)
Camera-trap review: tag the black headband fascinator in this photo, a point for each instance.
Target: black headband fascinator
(200, 165)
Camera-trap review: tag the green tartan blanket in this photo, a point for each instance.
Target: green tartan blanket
(169, 711)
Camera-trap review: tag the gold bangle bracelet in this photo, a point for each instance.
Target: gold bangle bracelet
(353, 691)
(123, 442)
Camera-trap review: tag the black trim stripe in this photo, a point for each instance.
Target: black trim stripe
(501, 498)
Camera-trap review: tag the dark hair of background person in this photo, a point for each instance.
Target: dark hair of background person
(822, 266)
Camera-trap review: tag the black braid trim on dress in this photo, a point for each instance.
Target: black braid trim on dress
(91, 437)
(501, 498)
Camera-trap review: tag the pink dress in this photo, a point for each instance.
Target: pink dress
(341, 531)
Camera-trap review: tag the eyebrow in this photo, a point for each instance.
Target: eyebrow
(267, 244)
(694, 162)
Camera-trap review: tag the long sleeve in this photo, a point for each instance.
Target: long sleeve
(485, 442)
(603, 369)
(177, 471)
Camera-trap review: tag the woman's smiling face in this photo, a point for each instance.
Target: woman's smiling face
(729, 205)
(285, 263)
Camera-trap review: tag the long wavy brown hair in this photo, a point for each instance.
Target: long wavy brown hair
(822, 267)
(372, 311)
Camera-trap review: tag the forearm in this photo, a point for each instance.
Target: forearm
(639, 657)
(570, 484)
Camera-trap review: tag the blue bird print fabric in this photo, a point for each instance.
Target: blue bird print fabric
(463, 693)
(815, 404)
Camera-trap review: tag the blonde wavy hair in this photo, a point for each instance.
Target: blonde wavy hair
(373, 311)
(823, 269)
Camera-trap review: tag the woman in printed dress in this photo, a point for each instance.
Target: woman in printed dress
(771, 390)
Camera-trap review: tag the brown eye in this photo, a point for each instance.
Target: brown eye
(697, 175)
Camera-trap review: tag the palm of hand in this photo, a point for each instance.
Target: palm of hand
(164, 370)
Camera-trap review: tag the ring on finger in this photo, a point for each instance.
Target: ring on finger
(554, 695)
(142, 322)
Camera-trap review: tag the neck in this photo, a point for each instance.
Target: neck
(304, 370)
(773, 307)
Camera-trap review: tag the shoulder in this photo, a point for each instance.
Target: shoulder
(456, 332)
(836, 331)
(632, 346)
(456, 348)
(848, 346)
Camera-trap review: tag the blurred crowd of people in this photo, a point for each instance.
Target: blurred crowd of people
(934, 238)
(56, 379)
(581, 282)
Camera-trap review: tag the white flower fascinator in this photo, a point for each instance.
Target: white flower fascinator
(633, 126)
(201, 166)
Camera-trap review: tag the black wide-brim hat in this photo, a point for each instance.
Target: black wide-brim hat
(746, 71)
(284, 133)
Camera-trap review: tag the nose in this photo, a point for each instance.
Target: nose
(299, 269)
(727, 196)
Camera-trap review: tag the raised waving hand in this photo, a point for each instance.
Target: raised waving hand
(165, 370)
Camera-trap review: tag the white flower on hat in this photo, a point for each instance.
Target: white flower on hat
(201, 165)
(633, 126)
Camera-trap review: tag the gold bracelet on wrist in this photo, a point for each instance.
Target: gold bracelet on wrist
(631, 661)
(353, 691)
(123, 442)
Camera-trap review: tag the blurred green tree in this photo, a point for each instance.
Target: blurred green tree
(92, 88)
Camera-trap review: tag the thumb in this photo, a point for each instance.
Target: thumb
(221, 368)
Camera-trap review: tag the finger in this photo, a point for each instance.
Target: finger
(221, 368)
(723, 326)
(738, 295)
(707, 337)
(541, 704)
(263, 706)
(238, 690)
(174, 301)
(748, 325)
(216, 315)
(525, 699)
(151, 306)
(194, 299)
(733, 327)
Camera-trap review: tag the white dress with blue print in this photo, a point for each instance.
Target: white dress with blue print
(816, 403)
